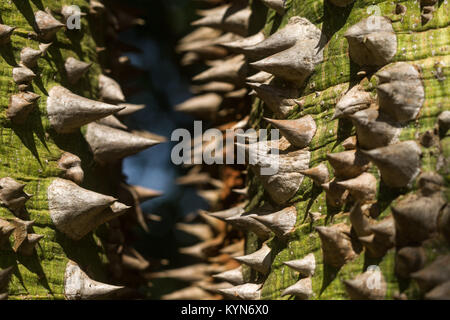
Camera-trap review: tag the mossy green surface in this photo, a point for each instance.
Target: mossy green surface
(29, 152)
(426, 46)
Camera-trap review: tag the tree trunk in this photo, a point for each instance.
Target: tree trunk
(377, 143)
(43, 144)
(377, 91)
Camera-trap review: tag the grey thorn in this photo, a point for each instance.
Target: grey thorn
(78, 285)
(68, 112)
(278, 5)
(242, 191)
(110, 90)
(440, 292)
(318, 174)
(372, 41)
(6, 230)
(96, 7)
(362, 188)
(27, 246)
(298, 132)
(369, 285)
(207, 49)
(302, 289)
(213, 86)
(29, 57)
(235, 249)
(335, 194)
(24, 242)
(233, 276)
(409, 260)
(210, 196)
(296, 63)
(110, 145)
(280, 101)
(20, 106)
(360, 220)
(281, 223)
(199, 34)
(232, 70)
(21, 225)
(297, 29)
(196, 251)
(246, 222)
(113, 122)
(350, 143)
(373, 248)
(12, 194)
(199, 230)
(305, 266)
(5, 33)
(76, 211)
(284, 184)
(71, 165)
(248, 291)
(348, 164)
(5, 277)
(399, 163)
(430, 183)
(416, 218)
(434, 274)
(207, 104)
(239, 45)
(401, 92)
(259, 260)
(143, 194)
(44, 47)
(129, 109)
(70, 11)
(75, 69)
(23, 75)
(47, 25)
(336, 245)
(133, 260)
(356, 99)
(213, 287)
(233, 18)
(385, 231)
(260, 77)
(228, 213)
(236, 94)
(116, 209)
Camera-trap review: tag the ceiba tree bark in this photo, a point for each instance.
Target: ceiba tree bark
(359, 94)
(359, 203)
(60, 154)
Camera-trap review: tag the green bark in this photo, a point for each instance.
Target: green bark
(426, 46)
(29, 152)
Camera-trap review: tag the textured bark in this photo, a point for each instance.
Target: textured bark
(422, 43)
(31, 152)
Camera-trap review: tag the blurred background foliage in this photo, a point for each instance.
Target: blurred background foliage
(160, 84)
